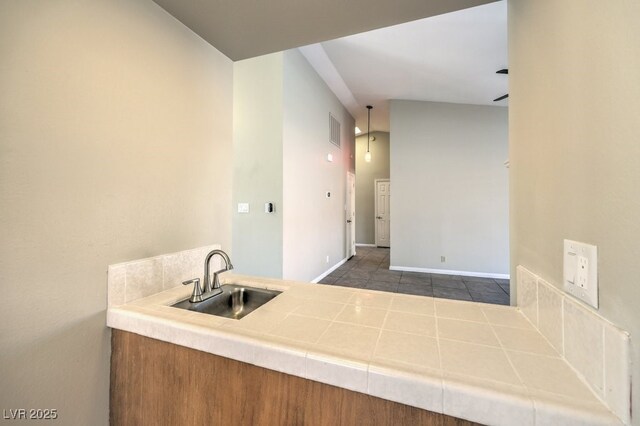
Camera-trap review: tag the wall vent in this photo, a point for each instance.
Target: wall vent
(334, 131)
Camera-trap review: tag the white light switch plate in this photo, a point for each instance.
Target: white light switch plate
(580, 276)
(243, 207)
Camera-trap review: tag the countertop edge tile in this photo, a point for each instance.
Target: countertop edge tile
(337, 371)
(485, 405)
(549, 412)
(280, 358)
(415, 389)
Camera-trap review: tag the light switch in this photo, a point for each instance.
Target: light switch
(243, 207)
(580, 273)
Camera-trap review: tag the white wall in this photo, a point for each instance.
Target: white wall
(257, 165)
(574, 108)
(115, 121)
(366, 174)
(449, 188)
(314, 226)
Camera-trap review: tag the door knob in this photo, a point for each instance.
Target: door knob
(349, 221)
(378, 217)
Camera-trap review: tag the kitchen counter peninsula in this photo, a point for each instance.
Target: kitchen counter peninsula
(478, 362)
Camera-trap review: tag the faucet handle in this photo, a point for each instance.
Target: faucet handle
(196, 296)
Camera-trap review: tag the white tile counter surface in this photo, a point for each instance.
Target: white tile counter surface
(475, 361)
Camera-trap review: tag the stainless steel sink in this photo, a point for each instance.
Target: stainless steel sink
(235, 301)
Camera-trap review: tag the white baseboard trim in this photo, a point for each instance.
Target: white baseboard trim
(330, 270)
(449, 272)
(365, 245)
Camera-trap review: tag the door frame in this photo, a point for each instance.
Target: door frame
(350, 206)
(375, 210)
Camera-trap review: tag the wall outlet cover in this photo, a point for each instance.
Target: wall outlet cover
(580, 271)
(243, 207)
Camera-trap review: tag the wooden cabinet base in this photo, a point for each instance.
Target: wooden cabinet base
(158, 383)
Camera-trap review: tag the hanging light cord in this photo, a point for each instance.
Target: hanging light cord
(369, 107)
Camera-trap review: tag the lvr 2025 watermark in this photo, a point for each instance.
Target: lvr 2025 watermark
(30, 414)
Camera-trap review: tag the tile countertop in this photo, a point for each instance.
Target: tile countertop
(479, 362)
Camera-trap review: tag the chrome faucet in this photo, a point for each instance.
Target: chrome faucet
(208, 285)
(209, 289)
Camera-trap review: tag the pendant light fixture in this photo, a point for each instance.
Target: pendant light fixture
(367, 156)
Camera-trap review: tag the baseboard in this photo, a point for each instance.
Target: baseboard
(449, 272)
(330, 270)
(365, 245)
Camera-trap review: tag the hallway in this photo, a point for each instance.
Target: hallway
(369, 269)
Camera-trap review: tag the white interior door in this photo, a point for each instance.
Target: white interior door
(351, 215)
(382, 219)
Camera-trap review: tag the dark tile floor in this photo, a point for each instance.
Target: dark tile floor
(369, 268)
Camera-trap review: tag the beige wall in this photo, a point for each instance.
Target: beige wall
(281, 142)
(257, 165)
(574, 146)
(366, 174)
(314, 226)
(449, 187)
(113, 121)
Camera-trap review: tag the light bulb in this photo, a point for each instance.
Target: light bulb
(367, 157)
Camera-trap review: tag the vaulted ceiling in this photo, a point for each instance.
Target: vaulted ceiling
(368, 51)
(447, 58)
(246, 28)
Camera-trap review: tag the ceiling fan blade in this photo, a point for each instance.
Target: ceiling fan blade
(503, 71)
(501, 98)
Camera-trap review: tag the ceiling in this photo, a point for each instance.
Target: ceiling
(447, 58)
(427, 50)
(247, 28)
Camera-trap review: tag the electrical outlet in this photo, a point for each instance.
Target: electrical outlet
(580, 271)
(443, 259)
(327, 258)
